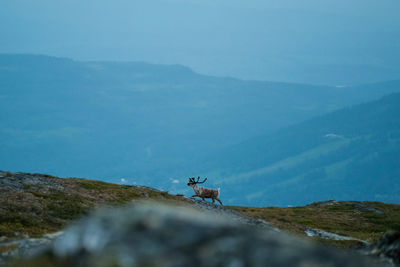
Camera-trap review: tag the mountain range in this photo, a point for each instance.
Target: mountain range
(156, 125)
(352, 153)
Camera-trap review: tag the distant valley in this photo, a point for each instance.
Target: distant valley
(156, 125)
(350, 154)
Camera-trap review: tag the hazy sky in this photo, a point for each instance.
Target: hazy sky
(331, 42)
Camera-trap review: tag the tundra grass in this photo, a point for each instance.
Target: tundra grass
(40, 210)
(366, 221)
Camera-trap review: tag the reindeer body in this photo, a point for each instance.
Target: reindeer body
(204, 192)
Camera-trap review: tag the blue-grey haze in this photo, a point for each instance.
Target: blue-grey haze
(108, 115)
(157, 125)
(335, 42)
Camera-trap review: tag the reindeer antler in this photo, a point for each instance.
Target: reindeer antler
(193, 180)
(198, 178)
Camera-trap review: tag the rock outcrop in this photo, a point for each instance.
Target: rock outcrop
(388, 247)
(162, 235)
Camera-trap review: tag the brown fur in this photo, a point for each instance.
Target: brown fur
(205, 193)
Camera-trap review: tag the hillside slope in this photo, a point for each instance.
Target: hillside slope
(339, 223)
(142, 122)
(350, 154)
(34, 206)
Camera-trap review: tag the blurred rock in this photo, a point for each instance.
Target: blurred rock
(162, 235)
(388, 247)
(26, 247)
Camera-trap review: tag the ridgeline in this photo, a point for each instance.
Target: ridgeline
(35, 206)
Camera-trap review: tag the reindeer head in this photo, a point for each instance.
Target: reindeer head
(193, 182)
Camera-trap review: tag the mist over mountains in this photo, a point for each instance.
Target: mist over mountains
(154, 124)
(335, 42)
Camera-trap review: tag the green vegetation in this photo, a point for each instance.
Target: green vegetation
(366, 221)
(41, 209)
(42, 204)
(42, 261)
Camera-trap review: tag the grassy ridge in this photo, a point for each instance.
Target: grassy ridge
(366, 221)
(34, 204)
(47, 206)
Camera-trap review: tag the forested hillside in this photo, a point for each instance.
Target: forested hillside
(350, 154)
(134, 122)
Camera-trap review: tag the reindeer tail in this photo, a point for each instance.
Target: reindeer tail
(218, 192)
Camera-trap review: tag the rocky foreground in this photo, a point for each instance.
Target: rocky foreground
(174, 231)
(164, 235)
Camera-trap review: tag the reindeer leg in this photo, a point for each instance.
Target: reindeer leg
(219, 201)
(203, 199)
(213, 200)
(194, 196)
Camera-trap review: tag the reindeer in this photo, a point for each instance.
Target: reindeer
(202, 191)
